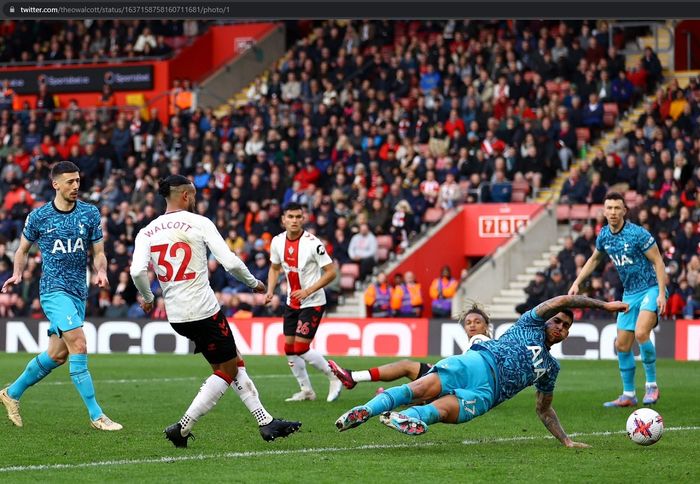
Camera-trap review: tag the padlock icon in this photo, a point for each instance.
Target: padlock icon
(12, 9)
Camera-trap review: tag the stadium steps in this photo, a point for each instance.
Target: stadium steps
(352, 307)
(502, 306)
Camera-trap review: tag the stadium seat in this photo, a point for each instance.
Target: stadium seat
(563, 213)
(583, 136)
(579, 212)
(433, 215)
(610, 113)
(385, 242)
(594, 210)
(382, 254)
(518, 197)
(350, 269)
(347, 283)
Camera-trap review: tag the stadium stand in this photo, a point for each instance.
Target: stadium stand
(385, 123)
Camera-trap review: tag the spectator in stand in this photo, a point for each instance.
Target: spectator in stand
(406, 297)
(536, 292)
(378, 298)
(363, 250)
(442, 291)
(575, 189)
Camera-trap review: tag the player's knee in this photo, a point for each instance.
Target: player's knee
(59, 357)
(622, 346)
(641, 336)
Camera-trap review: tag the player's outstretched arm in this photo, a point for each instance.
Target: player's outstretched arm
(549, 418)
(139, 269)
(20, 261)
(226, 258)
(586, 271)
(552, 306)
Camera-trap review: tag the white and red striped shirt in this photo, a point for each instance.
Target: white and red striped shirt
(302, 260)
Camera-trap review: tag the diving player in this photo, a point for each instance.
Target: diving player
(466, 386)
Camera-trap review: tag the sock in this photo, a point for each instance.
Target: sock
(626, 362)
(246, 391)
(37, 369)
(83, 383)
(209, 394)
(390, 399)
(427, 413)
(316, 359)
(648, 352)
(366, 375)
(298, 367)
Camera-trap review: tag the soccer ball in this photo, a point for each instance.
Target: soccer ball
(645, 426)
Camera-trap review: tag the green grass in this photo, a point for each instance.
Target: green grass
(147, 393)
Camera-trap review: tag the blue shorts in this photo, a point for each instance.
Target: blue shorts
(64, 311)
(639, 301)
(469, 378)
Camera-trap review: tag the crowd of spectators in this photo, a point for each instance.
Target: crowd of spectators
(65, 41)
(657, 166)
(365, 123)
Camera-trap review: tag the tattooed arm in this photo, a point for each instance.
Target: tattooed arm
(552, 306)
(550, 420)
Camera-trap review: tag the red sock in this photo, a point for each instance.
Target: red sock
(301, 348)
(374, 373)
(289, 349)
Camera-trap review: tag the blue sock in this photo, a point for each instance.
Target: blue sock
(427, 413)
(83, 383)
(36, 370)
(390, 399)
(626, 362)
(648, 352)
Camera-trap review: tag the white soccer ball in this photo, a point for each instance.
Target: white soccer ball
(645, 426)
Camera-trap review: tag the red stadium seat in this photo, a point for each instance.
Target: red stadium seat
(610, 113)
(594, 210)
(382, 254)
(385, 242)
(347, 283)
(350, 269)
(433, 215)
(563, 213)
(579, 212)
(583, 136)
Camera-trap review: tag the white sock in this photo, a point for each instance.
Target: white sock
(629, 394)
(246, 391)
(211, 391)
(361, 375)
(651, 384)
(298, 367)
(317, 360)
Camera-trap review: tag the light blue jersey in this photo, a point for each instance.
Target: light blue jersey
(64, 239)
(626, 249)
(520, 358)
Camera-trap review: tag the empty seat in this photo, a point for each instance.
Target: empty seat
(385, 241)
(347, 283)
(563, 213)
(579, 212)
(595, 209)
(350, 269)
(382, 254)
(433, 215)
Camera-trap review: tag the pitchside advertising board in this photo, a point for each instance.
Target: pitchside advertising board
(415, 338)
(81, 79)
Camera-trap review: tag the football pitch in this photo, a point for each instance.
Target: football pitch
(147, 393)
